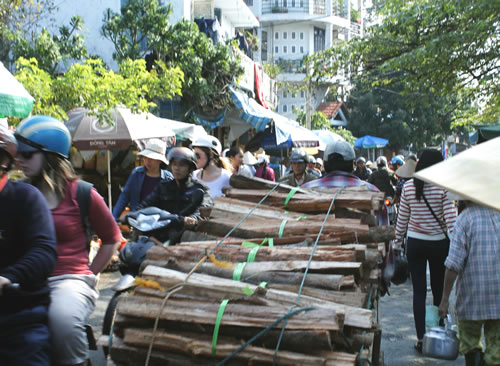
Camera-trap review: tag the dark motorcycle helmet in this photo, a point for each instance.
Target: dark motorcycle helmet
(182, 154)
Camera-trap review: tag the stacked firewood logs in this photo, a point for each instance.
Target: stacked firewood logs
(210, 298)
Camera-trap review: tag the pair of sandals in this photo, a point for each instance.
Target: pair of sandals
(418, 346)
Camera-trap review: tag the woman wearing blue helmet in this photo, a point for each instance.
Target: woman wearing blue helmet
(44, 144)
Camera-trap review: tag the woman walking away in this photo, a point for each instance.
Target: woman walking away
(144, 179)
(44, 144)
(212, 170)
(235, 155)
(428, 214)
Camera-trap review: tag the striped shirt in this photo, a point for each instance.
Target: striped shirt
(416, 217)
(475, 255)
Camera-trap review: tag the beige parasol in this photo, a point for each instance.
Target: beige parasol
(471, 174)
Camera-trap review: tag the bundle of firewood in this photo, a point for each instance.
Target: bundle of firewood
(258, 273)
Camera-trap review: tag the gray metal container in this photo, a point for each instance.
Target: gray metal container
(441, 342)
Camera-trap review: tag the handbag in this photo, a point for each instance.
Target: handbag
(435, 217)
(395, 266)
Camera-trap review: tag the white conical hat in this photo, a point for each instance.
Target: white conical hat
(472, 174)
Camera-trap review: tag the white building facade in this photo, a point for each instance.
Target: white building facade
(290, 30)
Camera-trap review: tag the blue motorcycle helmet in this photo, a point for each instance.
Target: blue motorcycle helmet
(397, 160)
(43, 133)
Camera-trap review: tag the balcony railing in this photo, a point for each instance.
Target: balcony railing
(294, 6)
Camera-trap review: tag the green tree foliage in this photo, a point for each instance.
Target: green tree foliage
(402, 119)
(445, 47)
(18, 19)
(320, 122)
(92, 86)
(208, 69)
(51, 50)
(140, 27)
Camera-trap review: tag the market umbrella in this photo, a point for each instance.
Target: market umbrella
(88, 133)
(468, 174)
(370, 142)
(15, 101)
(327, 137)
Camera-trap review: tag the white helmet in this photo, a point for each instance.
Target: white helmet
(209, 142)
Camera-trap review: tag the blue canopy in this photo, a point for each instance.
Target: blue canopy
(370, 142)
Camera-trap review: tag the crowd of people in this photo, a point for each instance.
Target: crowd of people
(48, 288)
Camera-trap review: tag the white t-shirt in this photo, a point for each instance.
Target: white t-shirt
(215, 185)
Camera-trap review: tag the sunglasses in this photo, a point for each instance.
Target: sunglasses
(27, 155)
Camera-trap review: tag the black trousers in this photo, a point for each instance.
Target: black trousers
(419, 252)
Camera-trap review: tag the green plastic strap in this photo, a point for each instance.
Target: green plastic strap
(253, 254)
(222, 307)
(238, 271)
(290, 194)
(271, 242)
(301, 218)
(249, 244)
(282, 227)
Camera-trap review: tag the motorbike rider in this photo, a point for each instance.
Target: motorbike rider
(299, 175)
(397, 162)
(383, 178)
(362, 171)
(28, 247)
(44, 144)
(182, 197)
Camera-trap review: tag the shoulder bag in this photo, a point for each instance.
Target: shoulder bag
(442, 225)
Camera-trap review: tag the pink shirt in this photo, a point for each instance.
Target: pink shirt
(73, 257)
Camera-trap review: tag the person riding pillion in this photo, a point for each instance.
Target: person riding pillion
(212, 171)
(299, 175)
(28, 247)
(182, 197)
(44, 144)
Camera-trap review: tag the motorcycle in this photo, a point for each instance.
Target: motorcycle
(391, 210)
(150, 227)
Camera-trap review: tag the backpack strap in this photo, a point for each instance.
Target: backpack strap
(83, 199)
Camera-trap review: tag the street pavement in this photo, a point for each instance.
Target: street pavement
(396, 318)
(398, 329)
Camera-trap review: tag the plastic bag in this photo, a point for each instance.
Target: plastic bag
(431, 316)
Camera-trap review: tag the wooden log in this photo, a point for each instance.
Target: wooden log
(253, 274)
(357, 299)
(239, 181)
(201, 345)
(125, 355)
(241, 315)
(308, 240)
(252, 228)
(245, 183)
(312, 202)
(324, 281)
(303, 341)
(354, 317)
(237, 254)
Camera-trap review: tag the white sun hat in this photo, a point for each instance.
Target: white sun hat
(469, 174)
(155, 149)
